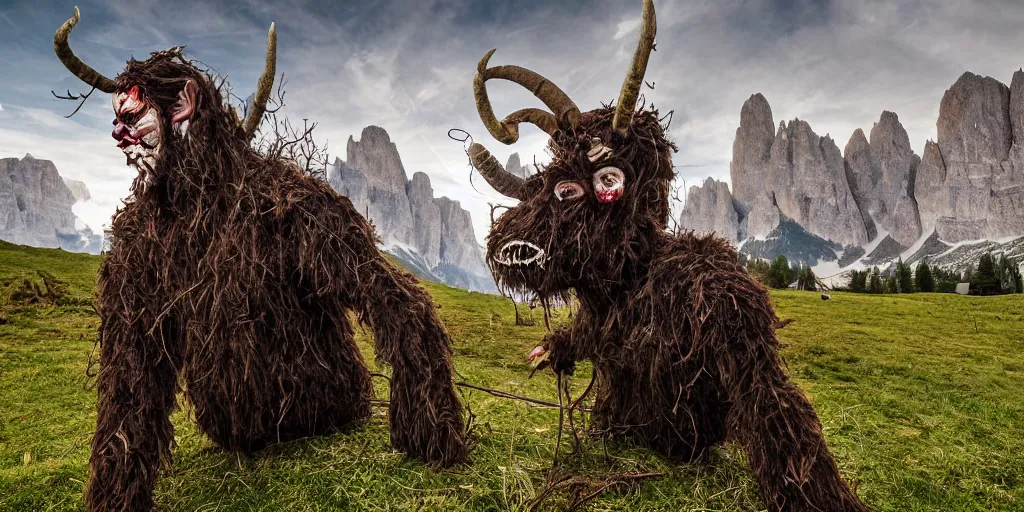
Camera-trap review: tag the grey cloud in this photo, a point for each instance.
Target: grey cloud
(407, 65)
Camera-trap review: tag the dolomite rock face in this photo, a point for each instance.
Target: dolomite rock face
(807, 175)
(972, 187)
(78, 190)
(375, 151)
(709, 208)
(967, 185)
(35, 204)
(35, 207)
(865, 178)
(790, 172)
(379, 188)
(930, 187)
(434, 236)
(426, 218)
(881, 177)
(458, 243)
(764, 216)
(516, 167)
(751, 149)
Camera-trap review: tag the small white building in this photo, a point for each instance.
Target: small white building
(963, 288)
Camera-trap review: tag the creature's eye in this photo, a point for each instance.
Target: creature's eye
(568, 190)
(609, 183)
(128, 103)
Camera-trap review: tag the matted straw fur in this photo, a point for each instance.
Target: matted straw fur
(681, 338)
(231, 278)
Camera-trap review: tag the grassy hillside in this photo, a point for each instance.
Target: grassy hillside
(920, 397)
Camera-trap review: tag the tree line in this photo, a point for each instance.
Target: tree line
(992, 276)
(780, 273)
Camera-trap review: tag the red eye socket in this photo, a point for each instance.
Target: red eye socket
(568, 190)
(609, 183)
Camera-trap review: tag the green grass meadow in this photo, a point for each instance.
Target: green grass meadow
(921, 397)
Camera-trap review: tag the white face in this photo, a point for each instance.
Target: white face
(138, 130)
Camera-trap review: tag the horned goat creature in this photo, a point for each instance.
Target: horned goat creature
(681, 338)
(234, 273)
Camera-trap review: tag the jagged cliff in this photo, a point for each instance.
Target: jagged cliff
(710, 208)
(514, 166)
(433, 236)
(35, 206)
(881, 176)
(972, 178)
(969, 184)
(793, 173)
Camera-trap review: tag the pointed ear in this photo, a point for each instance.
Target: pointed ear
(183, 109)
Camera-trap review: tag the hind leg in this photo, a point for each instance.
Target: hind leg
(310, 380)
(780, 432)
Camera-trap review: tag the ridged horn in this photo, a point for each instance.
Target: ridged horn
(507, 130)
(635, 78)
(501, 180)
(263, 87)
(73, 63)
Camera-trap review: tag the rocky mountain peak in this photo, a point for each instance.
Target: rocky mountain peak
(750, 149)
(1017, 107)
(710, 208)
(807, 177)
(881, 175)
(35, 205)
(515, 167)
(974, 188)
(78, 190)
(432, 235)
(974, 121)
(375, 151)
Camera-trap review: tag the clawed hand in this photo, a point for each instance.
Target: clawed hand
(538, 359)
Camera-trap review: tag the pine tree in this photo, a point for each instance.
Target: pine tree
(1007, 270)
(858, 281)
(875, 285)
(1013, 282)
(985, 278)
(923, 279)
(891, 284)
(778, 273)
(904, 277)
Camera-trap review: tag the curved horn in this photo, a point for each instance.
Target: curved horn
(263, 88)
(501, 180)
(507, 130)
(635, 78)
(74, 64)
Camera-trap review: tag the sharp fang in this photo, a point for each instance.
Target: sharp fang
(514, 254)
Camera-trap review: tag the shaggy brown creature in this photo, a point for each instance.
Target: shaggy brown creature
(682, 339)
(233, 274)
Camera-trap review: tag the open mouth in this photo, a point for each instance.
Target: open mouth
(519, 252)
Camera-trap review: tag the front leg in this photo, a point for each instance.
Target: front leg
(136, 389)
(424, 411)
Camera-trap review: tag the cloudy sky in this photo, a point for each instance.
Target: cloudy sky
(407, 65)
